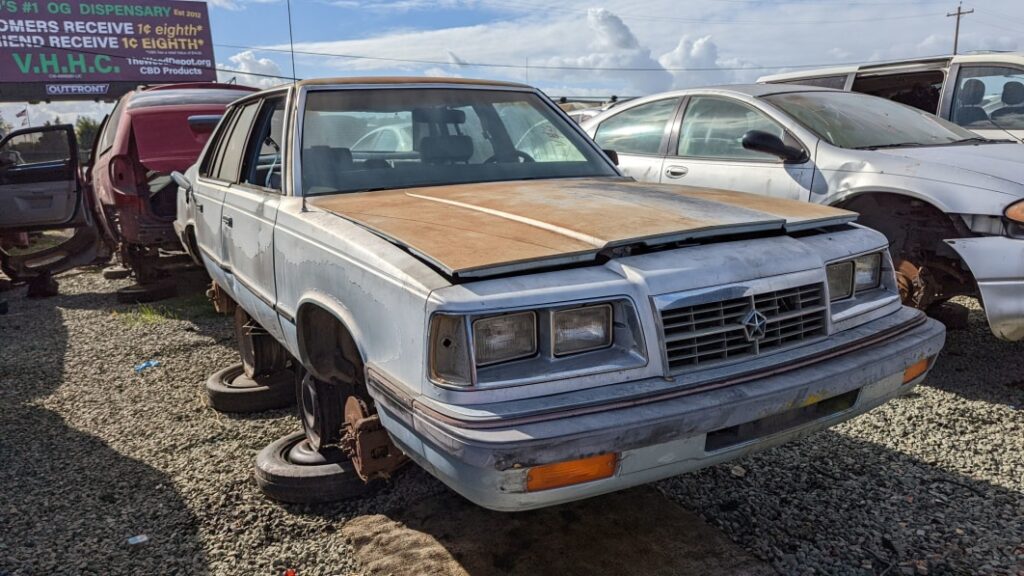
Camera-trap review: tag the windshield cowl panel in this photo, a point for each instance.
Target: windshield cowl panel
(360, 140)
(860, 121)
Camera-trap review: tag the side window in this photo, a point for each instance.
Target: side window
(638, 130)
(714, 128)
(216, 145)
(263, 165)
(837, 82)
(989, 97)
(230, 158)
(918, 89)
(110, 127)
(49, 147)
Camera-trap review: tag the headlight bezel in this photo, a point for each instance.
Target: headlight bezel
(627, 348)
(851, 263)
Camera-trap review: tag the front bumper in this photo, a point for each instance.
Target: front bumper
(997, 264)
(662, 432)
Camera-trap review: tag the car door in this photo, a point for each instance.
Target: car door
(40, 190)
(39, 185)
(250, 212)
(217, 172)
(707, 151)
(639, 135)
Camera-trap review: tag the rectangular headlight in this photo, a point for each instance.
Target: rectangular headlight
(840, 280)
(503, 338)
(869, 271)
(581, 329)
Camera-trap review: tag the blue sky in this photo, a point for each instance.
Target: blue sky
(570, 45)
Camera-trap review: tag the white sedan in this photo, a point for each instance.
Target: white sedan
(949, 202)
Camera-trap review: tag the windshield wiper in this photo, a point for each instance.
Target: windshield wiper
(896, 145)
(980, 140)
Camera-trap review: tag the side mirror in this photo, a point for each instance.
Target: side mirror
(612, 155)
(183, 183)
(759, 141)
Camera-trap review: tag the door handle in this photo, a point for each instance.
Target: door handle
(676, 171)
(227, 221)
(199, 207)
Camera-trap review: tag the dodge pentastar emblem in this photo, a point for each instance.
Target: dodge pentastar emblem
(754, 325)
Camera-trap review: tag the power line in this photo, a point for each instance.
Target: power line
(535, 66)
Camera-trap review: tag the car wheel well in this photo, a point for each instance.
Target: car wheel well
(328, 349)
(930, 272)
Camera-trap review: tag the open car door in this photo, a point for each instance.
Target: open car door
(40, 190)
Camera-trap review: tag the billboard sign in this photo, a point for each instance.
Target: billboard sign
(78, 47)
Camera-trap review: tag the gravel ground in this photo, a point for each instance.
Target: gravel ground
(94, 454)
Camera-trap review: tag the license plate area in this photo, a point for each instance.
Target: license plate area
(742, 433)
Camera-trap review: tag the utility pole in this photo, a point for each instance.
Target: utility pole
(959, 13)
(291, 39)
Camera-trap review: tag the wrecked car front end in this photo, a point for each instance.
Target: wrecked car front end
(569, 380)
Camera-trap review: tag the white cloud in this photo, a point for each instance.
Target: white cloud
(250, 70)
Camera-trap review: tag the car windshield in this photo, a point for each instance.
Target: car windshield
(357, 140)
(852, 120)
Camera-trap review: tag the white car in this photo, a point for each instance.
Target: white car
(949, 201)
(982, 91)
(531, 328)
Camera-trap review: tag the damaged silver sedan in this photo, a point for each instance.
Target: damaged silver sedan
(517, 317)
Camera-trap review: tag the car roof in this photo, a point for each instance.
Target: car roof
(973, 57)
(754, 90)
(382, 80)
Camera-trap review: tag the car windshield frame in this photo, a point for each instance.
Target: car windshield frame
(863, 122)
(409, 169)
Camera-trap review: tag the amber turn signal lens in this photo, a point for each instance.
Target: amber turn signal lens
(1016, 213)
(915, 370)
(571, 472)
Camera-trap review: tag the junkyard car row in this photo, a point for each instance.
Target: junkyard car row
(535, 311)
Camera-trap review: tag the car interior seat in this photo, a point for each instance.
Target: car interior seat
(323, 168)
(969, 112)
(1013, 100)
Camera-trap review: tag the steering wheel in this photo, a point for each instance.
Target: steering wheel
(523, 157)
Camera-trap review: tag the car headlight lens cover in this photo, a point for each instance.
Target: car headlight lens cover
(868, 272)
(449, 350)
(849, 276)
(840, 280)
(581, 329)
(503, 338)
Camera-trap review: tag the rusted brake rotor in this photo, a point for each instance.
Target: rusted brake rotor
(368, 444)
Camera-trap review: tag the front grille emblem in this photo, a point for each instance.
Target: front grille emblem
(754, 325)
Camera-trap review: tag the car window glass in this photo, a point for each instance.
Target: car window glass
(355, 140)
(264, 165)
(638, 130)
(989, 98)
(533, 134)
(49, 147)
(852, 120)
(714, 128)
(918, 89)
(836, 82)
(234, 146)
(110, 129)
(216, 144)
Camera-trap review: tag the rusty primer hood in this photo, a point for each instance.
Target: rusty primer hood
(473, 230)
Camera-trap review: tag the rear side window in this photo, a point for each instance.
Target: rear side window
(110, 128)
(918, 89)
(230, 156)
(837, 82)
(638, 130)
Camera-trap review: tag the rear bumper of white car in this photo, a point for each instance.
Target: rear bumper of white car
(661, 431)
(997, 263)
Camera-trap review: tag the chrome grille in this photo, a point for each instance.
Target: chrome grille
(708, 333)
